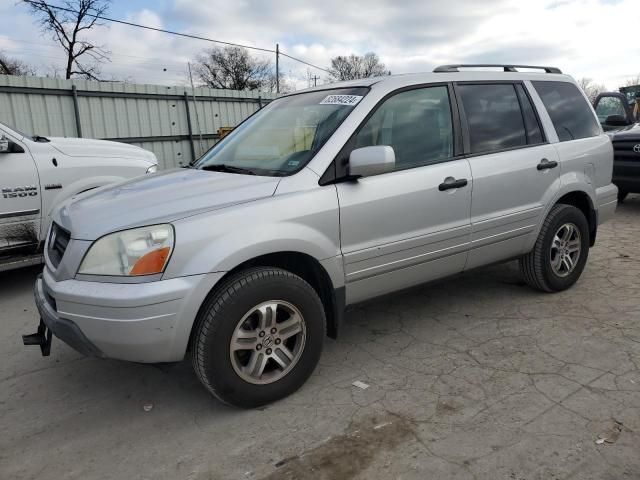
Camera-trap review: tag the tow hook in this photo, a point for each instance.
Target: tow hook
(42, 337)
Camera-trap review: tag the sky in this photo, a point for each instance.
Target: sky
(585, 38)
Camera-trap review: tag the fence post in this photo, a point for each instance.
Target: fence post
(260, 102)
(76, 111)
(191, 144)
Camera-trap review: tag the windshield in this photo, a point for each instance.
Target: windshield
(284, 136)
(609, 106)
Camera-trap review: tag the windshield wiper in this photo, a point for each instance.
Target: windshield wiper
(228, 168)
(40, 139)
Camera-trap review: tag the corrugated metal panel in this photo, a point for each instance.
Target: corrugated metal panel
(125, 111)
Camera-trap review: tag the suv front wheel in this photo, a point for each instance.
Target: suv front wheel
(258, 337)
(560, 252)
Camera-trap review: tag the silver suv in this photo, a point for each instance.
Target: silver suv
(323, 199)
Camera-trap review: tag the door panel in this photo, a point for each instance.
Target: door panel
(508, 201)
(399, 229)
(19, 202)
(405, 227)
(512, 168)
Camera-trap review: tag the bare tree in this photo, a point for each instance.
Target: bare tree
(68, 27)
(632, 81)
(355, 66)
(591, 89)
(233, 68)
(270, 84)
(13, 66)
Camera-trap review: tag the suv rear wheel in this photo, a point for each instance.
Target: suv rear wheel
(561, 250)
(258, 337)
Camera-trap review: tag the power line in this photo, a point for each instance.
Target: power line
(302, 61)
(146, 27)
(171, 32)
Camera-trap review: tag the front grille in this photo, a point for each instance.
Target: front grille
(624, 149)
(58, 241)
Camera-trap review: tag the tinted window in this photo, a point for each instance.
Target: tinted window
(534, 132)
(416, 123)
(570, 112)
(493, 116)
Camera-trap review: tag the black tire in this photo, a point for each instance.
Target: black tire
(219, 316)
(622, 195)
(536, 265)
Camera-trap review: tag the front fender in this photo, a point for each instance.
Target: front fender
(219, 241)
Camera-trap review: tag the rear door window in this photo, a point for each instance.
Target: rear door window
(569, 110)
(534, 131)
(494, 117)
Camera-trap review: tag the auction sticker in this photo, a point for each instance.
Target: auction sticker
(349, 100)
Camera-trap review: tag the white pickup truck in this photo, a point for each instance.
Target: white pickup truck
(37, 173)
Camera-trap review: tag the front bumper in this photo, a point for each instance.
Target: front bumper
(626, 175)
(64, 329)
(143, 322)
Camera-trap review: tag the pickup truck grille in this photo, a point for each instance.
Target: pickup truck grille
(623, 149)
(58, 241)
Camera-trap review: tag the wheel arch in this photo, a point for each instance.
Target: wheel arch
(583, 202)
(309, 269)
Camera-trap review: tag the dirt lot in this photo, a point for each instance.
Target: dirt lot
(478, 377)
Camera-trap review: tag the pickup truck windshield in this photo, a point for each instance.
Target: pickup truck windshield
(283, 137)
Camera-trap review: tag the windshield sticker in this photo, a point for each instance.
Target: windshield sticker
(350, 100)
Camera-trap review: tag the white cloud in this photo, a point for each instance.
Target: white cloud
(585, 38)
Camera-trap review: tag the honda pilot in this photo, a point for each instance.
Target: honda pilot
(327, 197)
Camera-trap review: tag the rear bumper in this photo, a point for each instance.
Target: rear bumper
(144, 322)
(606, 202)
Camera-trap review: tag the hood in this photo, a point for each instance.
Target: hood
(158, 198)
(631, 133)
(85, 147)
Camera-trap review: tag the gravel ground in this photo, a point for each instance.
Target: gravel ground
(477, 377)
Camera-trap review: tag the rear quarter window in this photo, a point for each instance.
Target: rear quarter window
(570, 112)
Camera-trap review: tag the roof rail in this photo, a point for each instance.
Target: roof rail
(507, 68)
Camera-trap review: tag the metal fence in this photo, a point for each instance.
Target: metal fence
(178, 124)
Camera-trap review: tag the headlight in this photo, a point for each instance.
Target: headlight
(140, 251)
(152, 169)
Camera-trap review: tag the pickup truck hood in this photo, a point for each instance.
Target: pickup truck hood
(630, 133)
(158, 198)
(85, 147)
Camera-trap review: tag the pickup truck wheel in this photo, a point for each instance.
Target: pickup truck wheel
(258, 337)
(560, 253)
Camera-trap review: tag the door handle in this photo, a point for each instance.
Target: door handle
(546, 164)
(451, 182)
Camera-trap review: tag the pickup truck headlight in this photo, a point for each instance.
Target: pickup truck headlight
(152, 169)
(130, 253)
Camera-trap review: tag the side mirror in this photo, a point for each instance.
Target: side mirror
(616, 121)
(368, 161)
(4, 145)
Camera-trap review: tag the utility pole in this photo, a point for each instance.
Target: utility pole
(315, 80)
(277, 68)
(195, 106)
